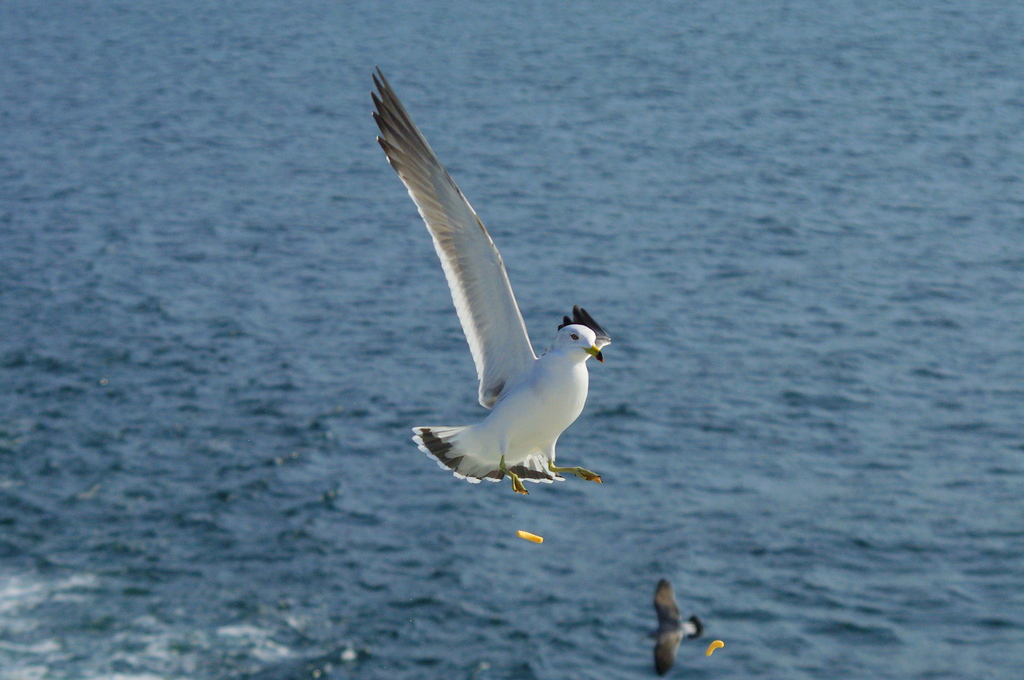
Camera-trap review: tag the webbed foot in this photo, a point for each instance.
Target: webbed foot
(578, 471)
(517, 484)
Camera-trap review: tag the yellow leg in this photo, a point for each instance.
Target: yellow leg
(517, 484)
(578, 471)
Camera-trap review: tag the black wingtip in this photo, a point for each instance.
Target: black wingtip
(382, 85)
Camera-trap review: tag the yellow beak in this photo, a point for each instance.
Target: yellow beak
(596, 353)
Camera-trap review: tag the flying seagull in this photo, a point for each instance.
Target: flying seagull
(532, 399)
(671, 627)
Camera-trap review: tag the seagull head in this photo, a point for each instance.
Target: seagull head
(578, 336)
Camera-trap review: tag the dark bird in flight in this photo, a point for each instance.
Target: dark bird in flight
(671, 627)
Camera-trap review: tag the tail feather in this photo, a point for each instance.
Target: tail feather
(535, 469)
(444, 446)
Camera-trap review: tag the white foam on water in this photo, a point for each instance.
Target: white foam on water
(258, 640)
(23, 655)
(25, 673)
(145, 648)
(44, 647)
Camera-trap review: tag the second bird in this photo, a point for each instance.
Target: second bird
(671, 627)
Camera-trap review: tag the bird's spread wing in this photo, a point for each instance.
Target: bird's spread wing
(665, 651)
(666, 607)
(476, 274)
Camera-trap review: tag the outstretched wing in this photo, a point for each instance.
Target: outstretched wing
(665, 606)
(665, 650)
(476, 274)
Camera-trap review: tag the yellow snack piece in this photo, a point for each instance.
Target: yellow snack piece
(717, 644)
(530, 537)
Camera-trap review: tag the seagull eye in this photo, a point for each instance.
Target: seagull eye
(574, 336)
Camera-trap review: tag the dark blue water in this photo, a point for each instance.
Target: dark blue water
(803, 225)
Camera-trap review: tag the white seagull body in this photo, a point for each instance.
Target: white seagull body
(533, 400)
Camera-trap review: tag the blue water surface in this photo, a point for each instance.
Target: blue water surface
(220, 315)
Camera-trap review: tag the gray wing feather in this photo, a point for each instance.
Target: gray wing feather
(670, 632)
(665, 651)
(483, 297)
(665, 606)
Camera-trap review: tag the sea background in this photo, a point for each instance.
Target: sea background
(801, 222)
